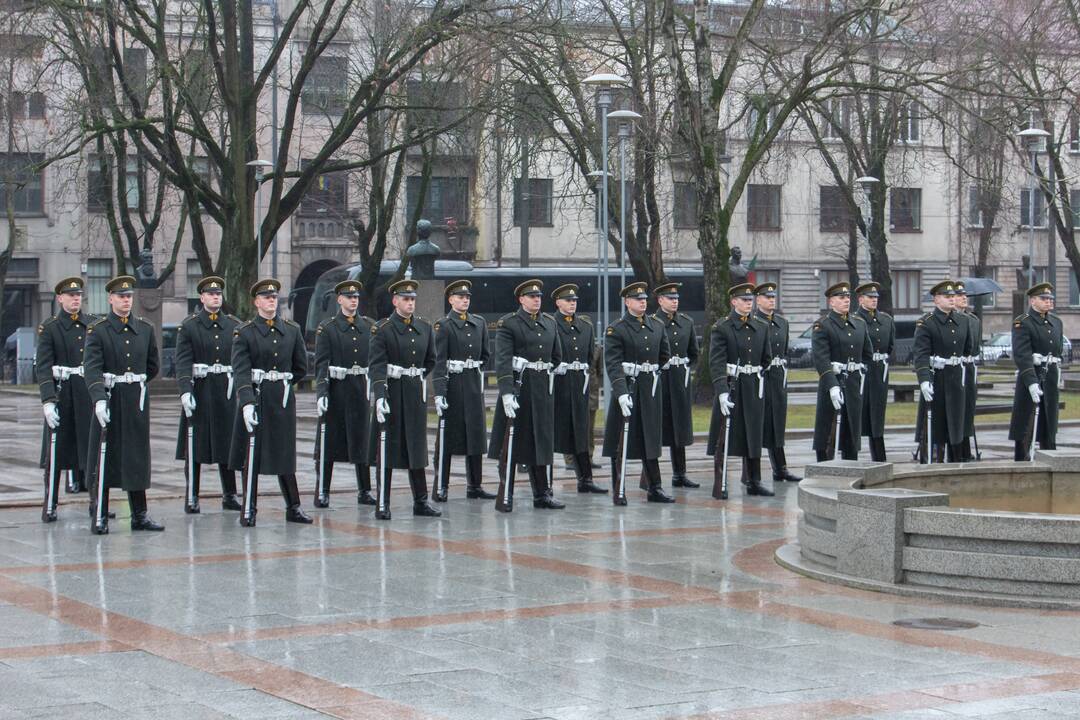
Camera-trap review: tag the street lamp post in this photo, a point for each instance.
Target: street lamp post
(1032, 139)
(260, 168)
(625, 117)
(867, 183)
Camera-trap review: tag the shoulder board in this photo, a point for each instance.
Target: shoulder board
(549, 316)
(292, 322)
(324, 323)
(585, 317)
(436, 326)
(52, 318)
(242, 325)
(479, 318)
(759, 320)
(1021, 318)
(503, 319)
(369, 320)
(233, 318)
(96, 322)
(685, 316)
(381, 323)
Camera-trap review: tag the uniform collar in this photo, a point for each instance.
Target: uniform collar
(264, 326)
(204, 317)
(737, 318)
(767, 317)
(118, 322)
(943, 316)
(568, 320)
(868, 314)
(460, 319)
(841, 318)
(529, 316)
(343, 321)
(67, 321)
(639, 321)
(403, 325)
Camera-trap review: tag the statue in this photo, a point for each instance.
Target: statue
(144, 273)
(423, 252)
(738, 270)
(1023, 273)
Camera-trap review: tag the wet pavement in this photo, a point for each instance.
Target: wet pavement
(648, 611)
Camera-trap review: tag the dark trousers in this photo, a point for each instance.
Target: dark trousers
(541, 480)
(1022, 448)
(650, 473)
(474, 467)
(287, 484)
(877, 449)
(417, 483)
(778, 460)
(363, 477)
(751, 471)
(678, 460)
(226, 476)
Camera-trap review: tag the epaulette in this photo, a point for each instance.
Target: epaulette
(325, 322)
(436, 326)
(376, 326)
(292, 322)
(479, 318)
(549, 316)
(91, 326)
(1019, 319)
(243, 324)
(585, 318)
(371, 321)
(684, 315)
(503, 319)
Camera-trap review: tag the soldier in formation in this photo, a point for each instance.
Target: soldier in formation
(677, 416)
(881, 329)
(776, 374)
(941, 345)
(971, 374)
(342, 389)
(1037, 345)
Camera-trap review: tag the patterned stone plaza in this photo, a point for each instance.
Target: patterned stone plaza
(649, 611)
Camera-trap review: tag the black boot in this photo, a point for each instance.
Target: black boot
(780, 472)
(420, 505)
(191, 505)
(651, 468)
(583, 470)
(140, 517)
(877, 449)
(322, 494)
(439, 493)
(752, 470)
(229, 500)
(78, 481)
(363, 485)
(289, 491)
(474, 468)
(250, 500)
(678, 469)
(540, 480)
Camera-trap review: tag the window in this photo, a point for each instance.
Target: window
(19, 177)
(836, 119)
(763, 207)
(828, 279)
(835, 213)
(1074, 288)
(1074, 131)
(25, 106)
(905, 209)
(325, 91)
(539, 201)
(437, 105)
(909, 121)
(194, 275)
(758, 105)
(1025, 208)
(17, 45)
(990, 300)
(1074, 207)
(686, 206)
(531, 113)
(447, 198)
(328, 194)
(974, 209)
(135, 76)
(906, 290)
(98, 273)
(23, 268)
(99, 186)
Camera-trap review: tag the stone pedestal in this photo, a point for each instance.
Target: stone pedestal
(870, 530)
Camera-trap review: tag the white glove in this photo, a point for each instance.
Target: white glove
(52, 415)
(440, 405)
(726, 404)
(927, 390)
(561, 369)
(837, 397)
(1036, 392)
(510, 405)
(323, 404)
(382, 409)
(250, 418)
(187, 402)
(626, 404)
(101, 409)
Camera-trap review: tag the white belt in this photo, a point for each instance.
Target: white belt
(683, 362)
(520, 364)
(201, 370)
(336, 372)
(737, 370)
(850, 367)
(258, 377)
(129, 378)
(780, 363)
(940, 363)
(579, 366)
(63, 372)
(883, 358)
(396, 372)
(1039, 359)
(635, 369)
(456, 367)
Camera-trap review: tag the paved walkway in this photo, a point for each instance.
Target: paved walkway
(594, 612)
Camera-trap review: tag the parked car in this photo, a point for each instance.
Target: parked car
(1000, 346)
(799, 354)
(168, 350)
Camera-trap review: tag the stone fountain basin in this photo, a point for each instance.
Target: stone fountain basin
(1001, 532)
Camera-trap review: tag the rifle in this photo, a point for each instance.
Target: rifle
(321, 494)
(507, 467)
(382, 492)
(1035, 421)
(840, 414)
(100, 515)
(250, 477)
(440, 483)
(720, 463)
(52, 481)
(190, 463)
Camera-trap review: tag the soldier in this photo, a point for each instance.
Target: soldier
(342, 346)
(678, 421)
(739, 352)
(842, 353)
(64, 399)
(572, 380)
(882, 331)
(203, 351)
(461, 350)
(635, 348)
(527, 348)
(775, 409)
(121, 356)
(1037, 346)
(941, 343)
(971, 376)
(402, 354)
(268, 359)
